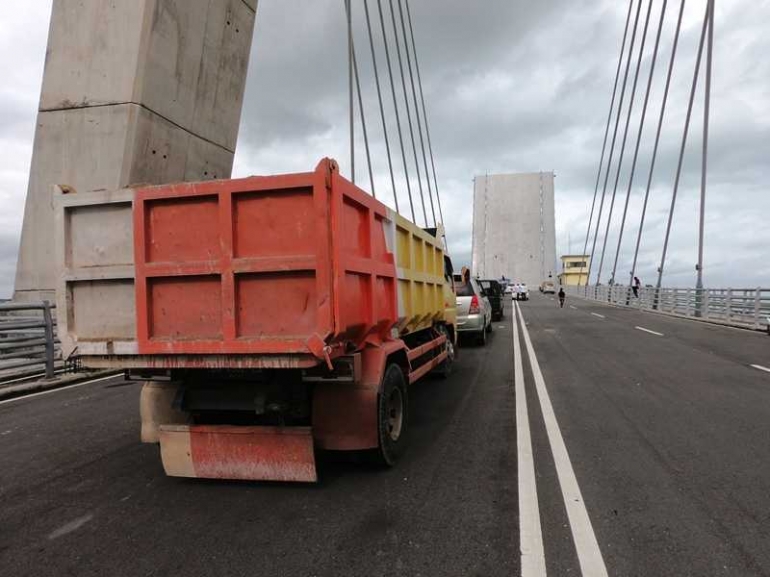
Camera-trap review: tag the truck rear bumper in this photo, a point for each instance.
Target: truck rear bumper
(243, 453)
(172, 361)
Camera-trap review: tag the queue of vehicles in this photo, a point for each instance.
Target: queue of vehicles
(267, 316)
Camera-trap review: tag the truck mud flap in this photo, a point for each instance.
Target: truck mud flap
(244, 453)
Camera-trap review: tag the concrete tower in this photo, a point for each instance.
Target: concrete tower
(514, 231)
(134, 92)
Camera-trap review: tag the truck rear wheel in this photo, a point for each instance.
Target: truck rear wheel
(392, 418)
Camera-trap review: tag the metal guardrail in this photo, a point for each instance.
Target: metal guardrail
(740, 307)
(28, 342)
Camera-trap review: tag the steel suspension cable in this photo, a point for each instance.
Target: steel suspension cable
(704, 160)
(408, 113)
(424, 111)
(625, 137)
(379, 99)
(684, 145)
(395, 106)
(606, 133)
(363, 122)
(350, 93)
(639, 137)
(416, 110)
(361, 105)
(614, 136)
(657, 139)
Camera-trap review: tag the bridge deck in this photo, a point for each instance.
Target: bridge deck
(667, 436)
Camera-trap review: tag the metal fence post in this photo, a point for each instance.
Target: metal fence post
(729, 305)
(699, 302)
(49, 340)
(757, 307)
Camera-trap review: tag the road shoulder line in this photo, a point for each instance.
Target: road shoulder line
(715, 322)
(656, 333)
(530, 530)
(60, 388)
(761, 368)
(586, 545)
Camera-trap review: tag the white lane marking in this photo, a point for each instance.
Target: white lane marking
(586, 545)
(761, 368)
(70, 527)
(530, 531)
(598, 315)
(23, 397)
(573, 307)
(649, 331)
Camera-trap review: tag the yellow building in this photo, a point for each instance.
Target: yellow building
(574, 269)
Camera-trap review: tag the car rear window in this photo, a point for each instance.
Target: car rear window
(491, 286)
(464, 290)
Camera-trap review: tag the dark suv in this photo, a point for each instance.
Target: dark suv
(494, 292)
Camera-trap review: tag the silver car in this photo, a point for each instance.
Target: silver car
(474, 313)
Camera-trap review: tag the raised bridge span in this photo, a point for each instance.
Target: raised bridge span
(659, 423)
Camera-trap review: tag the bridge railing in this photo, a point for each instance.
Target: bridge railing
(28, 342)
(742, 307)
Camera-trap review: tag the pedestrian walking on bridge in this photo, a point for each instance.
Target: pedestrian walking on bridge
(636, 286)
(562, 296)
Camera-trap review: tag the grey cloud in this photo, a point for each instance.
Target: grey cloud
(510, 86)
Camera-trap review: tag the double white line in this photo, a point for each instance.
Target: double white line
(531, 536)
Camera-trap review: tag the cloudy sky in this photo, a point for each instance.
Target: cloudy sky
(511, 86)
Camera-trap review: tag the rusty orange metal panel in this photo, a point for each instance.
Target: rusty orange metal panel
(235, 266)
(244, 453)
(289, 264)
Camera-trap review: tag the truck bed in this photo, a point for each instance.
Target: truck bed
(272, 271)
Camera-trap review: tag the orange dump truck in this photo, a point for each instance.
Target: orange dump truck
(269, 316)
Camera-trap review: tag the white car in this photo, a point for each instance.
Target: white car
(520, 292)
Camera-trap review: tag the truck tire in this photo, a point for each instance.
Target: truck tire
(392, 417)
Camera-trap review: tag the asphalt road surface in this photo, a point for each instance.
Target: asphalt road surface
(667, 426)
(663, 470)
(79, 495)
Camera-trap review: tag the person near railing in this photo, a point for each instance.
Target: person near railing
(636, 286)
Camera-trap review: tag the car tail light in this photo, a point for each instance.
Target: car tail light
(474, 308)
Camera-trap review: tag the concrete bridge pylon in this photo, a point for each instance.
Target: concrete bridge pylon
(139, 92)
